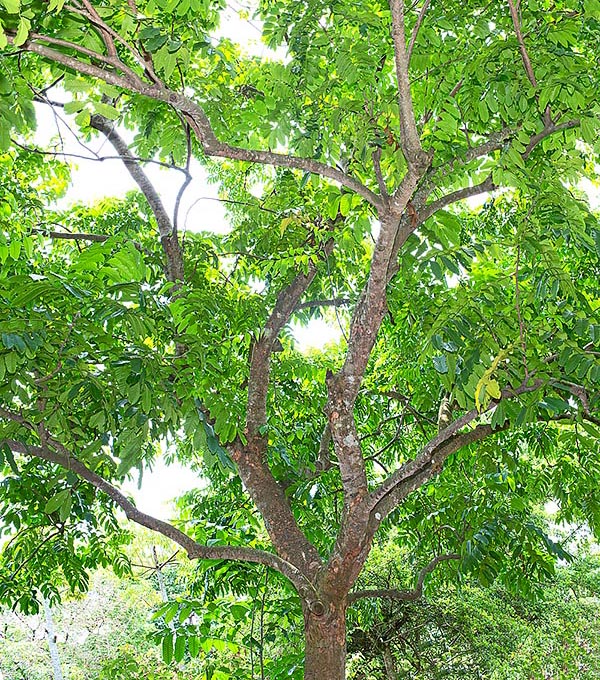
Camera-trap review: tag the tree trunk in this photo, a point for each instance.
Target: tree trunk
(389, 663)
(51, 637)
(325, 644)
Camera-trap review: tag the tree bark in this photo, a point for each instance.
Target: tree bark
(389, 663)
(51, 637)
(325, 643)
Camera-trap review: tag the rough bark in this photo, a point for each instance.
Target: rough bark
(325, 640)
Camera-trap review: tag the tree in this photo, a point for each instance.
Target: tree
(468, 336)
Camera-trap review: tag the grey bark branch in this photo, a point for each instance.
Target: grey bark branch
(459, 195)
(405, 595)
(108, 33)
(51, 637)
(549, 129)
(72, 236)
(494, 143)
(95, 158)
(166, 229)
(409, 136)
(335, 302)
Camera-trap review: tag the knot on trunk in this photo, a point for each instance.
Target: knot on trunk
(317, 608)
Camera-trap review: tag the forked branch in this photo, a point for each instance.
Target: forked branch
(262, 348)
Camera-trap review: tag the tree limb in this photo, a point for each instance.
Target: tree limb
(417, 26)
(524, 55)
(111, 60)
(166, 230)
(459, 195)
(194, 550)
(109, 35)
(250, 458)
(409, 136)
(376, 156)
(196, 117)
(549, 129)
(258, 382)
(405, 595)
(72, 236)
(335, 302)
(415, 472)
(494, 142)
(95, 158)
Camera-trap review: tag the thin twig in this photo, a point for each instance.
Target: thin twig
(524, 55)
(415, 31)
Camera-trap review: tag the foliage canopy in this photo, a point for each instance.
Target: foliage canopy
(465, 389)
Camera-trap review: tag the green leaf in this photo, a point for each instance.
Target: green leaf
(106, 110)
(10, 459)
(22, 31)
(179, 648)
(167, 648)
(493, 389)
(11, 6)
(83, 118)
(57, 501)
(170, 611)
(74, 106)
(345, 204)
(193, 646)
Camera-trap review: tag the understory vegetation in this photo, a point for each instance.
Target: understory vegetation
(251, 632)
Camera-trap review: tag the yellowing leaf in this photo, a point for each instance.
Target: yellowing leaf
(11, 6)
(493, 389)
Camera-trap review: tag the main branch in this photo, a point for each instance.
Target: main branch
(118, 74)
(415, 472)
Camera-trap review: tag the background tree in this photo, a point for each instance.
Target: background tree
(469, 340)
